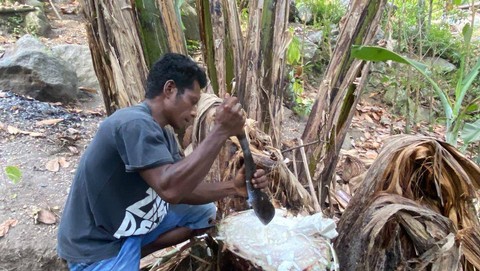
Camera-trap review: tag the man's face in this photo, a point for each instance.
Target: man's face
(185, 107)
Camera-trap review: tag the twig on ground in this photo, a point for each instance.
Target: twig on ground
(55, 10)
(302, 145)
(316, 204)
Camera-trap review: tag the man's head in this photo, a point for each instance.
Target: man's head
(175, 67)
(173, 88)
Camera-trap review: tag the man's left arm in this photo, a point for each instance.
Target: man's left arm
(210, 192)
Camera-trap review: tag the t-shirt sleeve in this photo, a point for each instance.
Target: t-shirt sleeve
(141, 145)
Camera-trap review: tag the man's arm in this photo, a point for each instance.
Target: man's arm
(209, 192)
(175, 181)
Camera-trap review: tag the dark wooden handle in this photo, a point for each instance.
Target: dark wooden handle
(248, 160)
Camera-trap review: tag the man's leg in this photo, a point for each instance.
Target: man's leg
(180, 224)
(127, 259)
(190, 220)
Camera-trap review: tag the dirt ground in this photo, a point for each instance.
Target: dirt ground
(46, 156)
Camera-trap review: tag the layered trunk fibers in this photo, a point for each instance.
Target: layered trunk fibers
(339, 93)
(414, 210)
(125, 38)
(250, 65)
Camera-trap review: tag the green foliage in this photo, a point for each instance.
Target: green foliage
(13, 173)
(454, 116)
(193, 46)
(14, 24)
(440, 42)
(411, 27)
(294, 53)
(302, 106)
(471, 132)
(323, 11)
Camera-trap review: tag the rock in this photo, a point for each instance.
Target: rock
(315, 36)
(36, 74)
(36, 23)
(79, 59)
(190, 22)
(26, 42)
(35, 3)
(439, 64)
(305, 13)
(310, 50)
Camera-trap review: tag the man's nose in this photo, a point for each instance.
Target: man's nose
(193, 113)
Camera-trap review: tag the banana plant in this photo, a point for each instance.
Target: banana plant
(455, 114)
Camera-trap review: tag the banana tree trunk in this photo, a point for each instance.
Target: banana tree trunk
(261, 83)
(255, 63)
(339, 93)
(125, 38)
(223, 43)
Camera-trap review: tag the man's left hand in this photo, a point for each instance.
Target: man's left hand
(259, 181)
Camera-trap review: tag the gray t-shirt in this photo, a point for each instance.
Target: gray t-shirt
(108, 200)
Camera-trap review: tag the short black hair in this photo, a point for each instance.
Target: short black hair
(177, 67)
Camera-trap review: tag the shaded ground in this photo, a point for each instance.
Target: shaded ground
(46, 155)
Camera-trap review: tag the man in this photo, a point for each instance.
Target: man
(132, 193)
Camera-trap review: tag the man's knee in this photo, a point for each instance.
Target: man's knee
(201, 216)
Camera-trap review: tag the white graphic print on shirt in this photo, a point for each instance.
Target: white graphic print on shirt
(138, 221)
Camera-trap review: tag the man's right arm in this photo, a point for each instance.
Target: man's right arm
(175, 181)
(172, 182)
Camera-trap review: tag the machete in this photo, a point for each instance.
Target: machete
(257, 199)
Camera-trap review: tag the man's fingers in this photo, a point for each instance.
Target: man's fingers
(237, 108)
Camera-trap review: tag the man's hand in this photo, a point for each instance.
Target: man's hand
(230, 117)
(259, 181)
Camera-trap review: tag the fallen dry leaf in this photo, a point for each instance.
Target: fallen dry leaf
(12, 130)
(48, 122)
(368, 118)
(94, 113)
(35, 134)
(89, 90)
(45, 217)
(5, 226)
(63, 162)
(371, 154)
(15, 131)
(53, 165)
(73, 150)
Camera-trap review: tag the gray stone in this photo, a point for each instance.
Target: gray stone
(190, 22)
(439, 64)
(26, 42)
(304, 13)
(310, 51)
(37, 23)
(315, 36)
(35, 3)
(39, 76)
(79, 59)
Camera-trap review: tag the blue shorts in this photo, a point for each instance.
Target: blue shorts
(179, 215)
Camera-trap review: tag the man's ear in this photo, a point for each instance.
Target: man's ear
(170, 88)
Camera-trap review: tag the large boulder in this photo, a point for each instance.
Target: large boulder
(79, 59)
(190, 22)
(439, 65)
(39, 75)
(30, 43)
(37, 23)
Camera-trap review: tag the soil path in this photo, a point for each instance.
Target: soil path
(46, 156)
